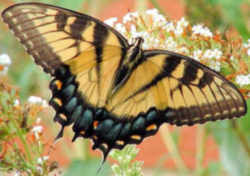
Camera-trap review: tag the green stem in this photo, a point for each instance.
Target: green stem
(241, 137)
(157, 6)
(141, 5)
(21, 137)
(94, 6)
(200, 148)
(172, 148)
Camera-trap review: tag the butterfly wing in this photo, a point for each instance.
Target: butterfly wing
(55, 36)
(166, 80)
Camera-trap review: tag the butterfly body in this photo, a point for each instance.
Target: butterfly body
(113, 92)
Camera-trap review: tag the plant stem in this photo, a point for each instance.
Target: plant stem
(241, 137)
(141, 5)
(172, 148)
(157, 6)
(26, 147)
(82, 150)
(200, 148)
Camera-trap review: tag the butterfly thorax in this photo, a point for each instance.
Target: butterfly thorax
(127, 65)
(134, 51)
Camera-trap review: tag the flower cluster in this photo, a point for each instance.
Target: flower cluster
(38, 101)
(23, 150)
(125, 165)
(196, 41)
(201, 30)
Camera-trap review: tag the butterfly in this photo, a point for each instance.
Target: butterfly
(113, 92)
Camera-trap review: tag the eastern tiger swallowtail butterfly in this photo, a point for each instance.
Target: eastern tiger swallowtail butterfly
(113, 92)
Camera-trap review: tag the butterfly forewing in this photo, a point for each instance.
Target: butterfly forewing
(53, 35)
(167, 80)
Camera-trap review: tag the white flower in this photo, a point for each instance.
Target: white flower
(158, 19)
(37, 100)
(133, 29)
(170, 44)
(201, 30)
(232, 58)
(42, 159)
(178, 30)
(153, 12)
(215, 65)
(5, 61)
(169, 27)
(16, 102)
(151, 42)
(4, 70)
(38, 120)
(38, 129)
(111, 21)
(142, 34)
(243, 80)
(181, 24)
(247, 45)
(215, 53)
(197, 54)
(121, 28)
(182, 50)
(129, 17)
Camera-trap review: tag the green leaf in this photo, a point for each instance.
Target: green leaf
(233, 15)
(244, 122)
(213, 169)
(24, 79)
(234, 158)
(87, 167)
(69, 4)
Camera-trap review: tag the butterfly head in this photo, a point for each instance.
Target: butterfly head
(135, 48)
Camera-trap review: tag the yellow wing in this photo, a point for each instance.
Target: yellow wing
(168, 81)
(55, 36)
